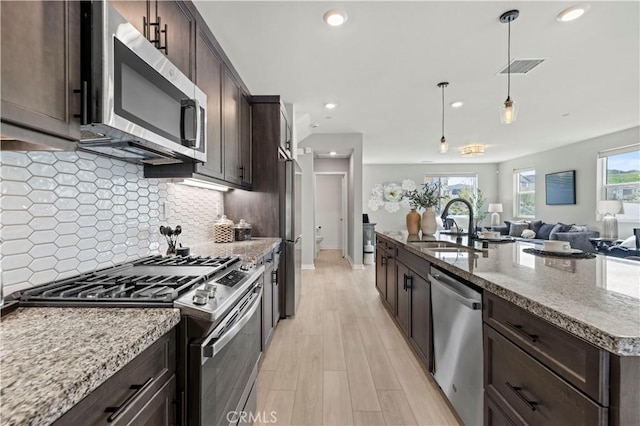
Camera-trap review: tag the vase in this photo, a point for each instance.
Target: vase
(429, 225)
(413, 222)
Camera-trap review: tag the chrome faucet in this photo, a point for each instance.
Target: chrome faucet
(472, 233)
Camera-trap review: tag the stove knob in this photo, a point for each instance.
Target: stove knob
(245, 267)
(210, 288)
(201, 297)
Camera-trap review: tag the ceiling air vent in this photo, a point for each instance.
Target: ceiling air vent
(522, 66)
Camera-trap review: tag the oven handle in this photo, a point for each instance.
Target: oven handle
(209, 351)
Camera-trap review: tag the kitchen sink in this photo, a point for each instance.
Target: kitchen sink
(454, 249)
(434, 244)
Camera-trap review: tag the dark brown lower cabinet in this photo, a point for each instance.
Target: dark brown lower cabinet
(267, 306)
(392, 283)
(142, 392)
(381, 271)
(420, 318)
(493, 415)
(528, 391)
(404, 283)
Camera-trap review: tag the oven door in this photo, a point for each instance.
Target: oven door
(224, 366)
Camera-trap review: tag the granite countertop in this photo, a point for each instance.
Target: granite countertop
(249, 251)
(596, 299)
(51, 358)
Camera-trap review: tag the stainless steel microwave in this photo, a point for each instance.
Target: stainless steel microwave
(137, 105)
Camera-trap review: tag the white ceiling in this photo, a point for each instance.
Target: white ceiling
(382, 68)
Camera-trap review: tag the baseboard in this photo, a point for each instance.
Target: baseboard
(310, 266)
(358, 266)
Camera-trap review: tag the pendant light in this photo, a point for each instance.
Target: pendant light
(509, 110)
(444, 146)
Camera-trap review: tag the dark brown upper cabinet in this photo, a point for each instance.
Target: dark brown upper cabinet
(231, 125)
(209, 80)
(246, 175)
(168, 24)
(40, 71)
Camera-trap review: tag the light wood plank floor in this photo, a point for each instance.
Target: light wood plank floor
(342, 360)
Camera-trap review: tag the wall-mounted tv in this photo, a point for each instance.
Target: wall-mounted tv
(560, 188)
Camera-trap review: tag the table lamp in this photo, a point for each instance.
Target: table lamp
(495, 208)
(609, 208)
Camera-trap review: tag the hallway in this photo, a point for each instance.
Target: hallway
(342, 361)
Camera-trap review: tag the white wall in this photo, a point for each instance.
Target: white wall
(308, 210)
(388, 173)
(341, 142)
(581, 157)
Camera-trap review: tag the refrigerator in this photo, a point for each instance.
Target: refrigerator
(291, 199)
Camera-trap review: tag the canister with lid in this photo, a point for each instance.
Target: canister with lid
(223, 230)
(242, 231)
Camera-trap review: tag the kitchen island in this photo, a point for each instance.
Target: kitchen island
(555, 339)
(52, 358)
(595, 299)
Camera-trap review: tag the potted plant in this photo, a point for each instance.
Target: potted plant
(426, 198)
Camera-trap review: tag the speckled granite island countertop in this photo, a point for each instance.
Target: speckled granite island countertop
(51, 358)
(595, 299)
(249, 251)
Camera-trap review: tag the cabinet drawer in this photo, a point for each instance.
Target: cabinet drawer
(153, 368)
(417, 264)
(538, 396)
(493, 415)
(577, 361)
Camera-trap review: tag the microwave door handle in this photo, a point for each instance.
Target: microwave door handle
(184, 105)
(199, 124)
(209, 351)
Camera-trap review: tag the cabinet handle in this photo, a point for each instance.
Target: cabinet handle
(241, 172)
(83, 104)
(156, 41)
(410, 279)
(117, 411)
(518, 329)
(516, 389)
(384, 260)
(404, 282)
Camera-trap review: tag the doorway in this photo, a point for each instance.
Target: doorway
(331, 206)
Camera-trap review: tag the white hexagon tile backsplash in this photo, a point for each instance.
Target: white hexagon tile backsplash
(64, 213)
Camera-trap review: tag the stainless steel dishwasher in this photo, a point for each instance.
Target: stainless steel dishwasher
(457, 344)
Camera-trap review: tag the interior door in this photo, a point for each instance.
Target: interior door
(329, 210)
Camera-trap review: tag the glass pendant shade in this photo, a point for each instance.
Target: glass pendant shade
(508, 111)
(444, 146)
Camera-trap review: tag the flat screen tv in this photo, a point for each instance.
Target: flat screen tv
(560, 188)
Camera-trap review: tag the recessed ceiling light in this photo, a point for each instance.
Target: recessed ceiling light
(328, 117)
(330, 105)
(314, 125)
(335, 17)
(332, 153)
(572, 13)
(457, 104)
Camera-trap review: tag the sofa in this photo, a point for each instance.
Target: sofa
(577, 235)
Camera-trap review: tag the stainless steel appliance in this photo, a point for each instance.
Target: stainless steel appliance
(292, 226)
(219, 337)
(457, 344)
(137, 106)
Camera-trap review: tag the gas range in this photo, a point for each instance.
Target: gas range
(205, 287)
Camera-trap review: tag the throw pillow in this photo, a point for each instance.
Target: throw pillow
(535, 225)
(544, 231)
(557, 228)
(508, 225)
(564, 227)
(528, 233)
(629, 242)
(516, 229)
(578, 228)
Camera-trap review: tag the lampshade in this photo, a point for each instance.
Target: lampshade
(495, 208)
(610, 207)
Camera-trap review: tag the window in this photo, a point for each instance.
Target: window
(454, 187)
(525, 192)
(620, 179)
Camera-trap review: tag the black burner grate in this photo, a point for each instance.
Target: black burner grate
(187, 261)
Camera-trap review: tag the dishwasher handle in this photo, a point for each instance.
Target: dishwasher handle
(451, 291)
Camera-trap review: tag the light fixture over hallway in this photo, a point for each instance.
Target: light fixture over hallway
(444, 146)
(509, 110)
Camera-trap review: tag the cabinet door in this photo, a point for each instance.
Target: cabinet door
(381, 271)
(392, 284)
(403, 288)
(136, 12)
(275, 297)
(209, 80)
(160, 410)
(267, 307)
(178, 40)
(246, 174)
(420, 315)
(40, 68)
(231, 140)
